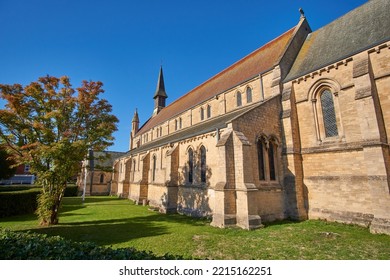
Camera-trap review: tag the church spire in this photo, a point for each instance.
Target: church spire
(135, 117)
(134, 129)
(160, 94)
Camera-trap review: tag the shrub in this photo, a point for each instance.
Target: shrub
(33, 246)
(18, 202)
(71, 190)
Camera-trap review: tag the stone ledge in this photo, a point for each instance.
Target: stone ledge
(347, 178)
(380, 225)
(361, 219)
(338, 147)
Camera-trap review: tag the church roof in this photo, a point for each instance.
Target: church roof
(358, 30)
(105, 159)
(259, 61)
(206, 126)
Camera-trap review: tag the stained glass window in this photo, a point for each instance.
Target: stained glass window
(328, 113)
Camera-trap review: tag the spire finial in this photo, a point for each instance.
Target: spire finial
(302, 13)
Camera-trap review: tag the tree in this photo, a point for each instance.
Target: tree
(50, 126)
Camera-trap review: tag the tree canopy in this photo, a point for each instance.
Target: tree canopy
(6, 165)
(50, 125)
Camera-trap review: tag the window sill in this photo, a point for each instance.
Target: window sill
(269, 185)
(331, 140)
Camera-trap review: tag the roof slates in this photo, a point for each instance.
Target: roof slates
(255, 63)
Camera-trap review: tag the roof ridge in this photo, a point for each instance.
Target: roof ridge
(223, 80)
(232, 66)
(347, 35)
(339, 18)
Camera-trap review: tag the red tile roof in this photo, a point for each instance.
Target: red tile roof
(253, 64)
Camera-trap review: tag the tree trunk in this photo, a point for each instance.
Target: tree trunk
(49, 205)
(55, 209)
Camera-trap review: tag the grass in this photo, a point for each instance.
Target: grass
(109, 221)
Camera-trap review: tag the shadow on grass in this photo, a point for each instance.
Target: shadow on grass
(106, 232)
(76, 203)
(21, 218)
(97, 199)
(280, 223)
(119, 227)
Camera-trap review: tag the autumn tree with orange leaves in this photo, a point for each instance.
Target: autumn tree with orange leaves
(50, 126)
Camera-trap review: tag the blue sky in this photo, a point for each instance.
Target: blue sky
(123, 43)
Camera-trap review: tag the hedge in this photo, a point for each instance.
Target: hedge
(33, 246)
(18, 202)
(71, 190)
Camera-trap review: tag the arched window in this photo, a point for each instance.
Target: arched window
(101, 180)
(266, 154)
(201, 114)
(133, 171)
(271, 162)
(239, 99)
(324, 95)
(328, 113)
(175, 124)
(248, 95)
(190, 166)
(208, 111)
(180, 123)
(154, 168)
(203, 167)
(260, 156)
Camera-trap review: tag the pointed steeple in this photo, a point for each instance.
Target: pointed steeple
(135, 117)
(160, 94)
(134, 128)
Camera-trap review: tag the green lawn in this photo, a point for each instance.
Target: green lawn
(109, 221)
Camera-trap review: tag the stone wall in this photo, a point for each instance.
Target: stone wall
(195, 201)
(345, 176)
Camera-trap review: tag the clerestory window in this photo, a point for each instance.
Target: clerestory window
(248, 95)
(239, 98)
(201, 114)
(208, 111)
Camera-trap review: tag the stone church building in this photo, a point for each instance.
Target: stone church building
(297, 129)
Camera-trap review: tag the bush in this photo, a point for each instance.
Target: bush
(71, 190)
(33, 246)
(18, 202)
